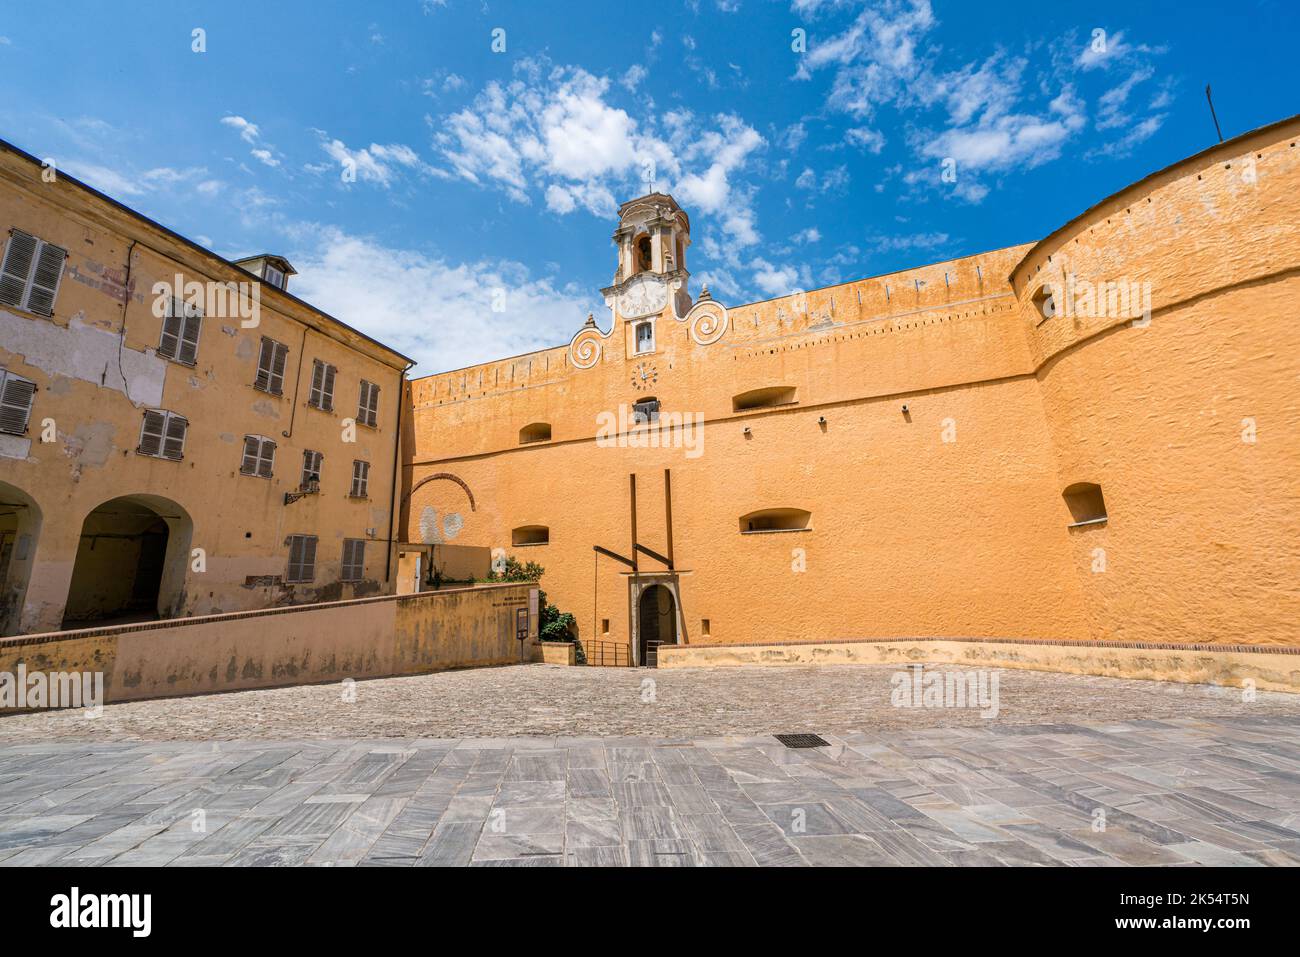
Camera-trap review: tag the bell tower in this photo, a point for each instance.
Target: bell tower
(652, 237)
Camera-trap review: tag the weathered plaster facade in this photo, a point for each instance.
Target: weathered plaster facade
(97, 367)
(917, 433)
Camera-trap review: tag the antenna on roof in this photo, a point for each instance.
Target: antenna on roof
(1209, 99)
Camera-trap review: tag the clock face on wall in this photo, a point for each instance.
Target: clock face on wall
(642, 295)
(644, 375)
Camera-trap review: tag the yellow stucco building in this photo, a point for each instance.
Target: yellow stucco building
(1093, 437)
(179, 434)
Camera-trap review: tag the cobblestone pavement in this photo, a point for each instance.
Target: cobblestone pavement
(1182, 791)
(686, 703)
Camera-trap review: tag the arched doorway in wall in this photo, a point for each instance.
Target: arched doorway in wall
(20, 530)
(131, 562)
(656, 623)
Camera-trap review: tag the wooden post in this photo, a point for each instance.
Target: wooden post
(668, 513)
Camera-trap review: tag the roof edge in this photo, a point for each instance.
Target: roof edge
(1225, 146)
(202, 250)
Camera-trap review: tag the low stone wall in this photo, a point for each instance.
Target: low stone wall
(303, 644)
(1270, 668)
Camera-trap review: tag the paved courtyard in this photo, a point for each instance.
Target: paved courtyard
(539, 765)
(1183, 791)
(673, 703)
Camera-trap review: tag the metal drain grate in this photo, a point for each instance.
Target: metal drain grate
(802, 740)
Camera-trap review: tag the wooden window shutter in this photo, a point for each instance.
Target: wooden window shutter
(16, 394)
(151, 432)
(252, 445)
(316, 397)
(191, 325)
(354, 559)
(173, 446)
(20, 253)
(368, 407)
(311, 462)
(45, 278)
(302, 558)
(169, 346)
(270, 366)
(327, 388)
(265, 458)
(360, 478)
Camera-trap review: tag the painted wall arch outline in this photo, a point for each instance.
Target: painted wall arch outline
(447, 476)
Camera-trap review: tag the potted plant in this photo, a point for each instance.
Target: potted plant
(555, 632)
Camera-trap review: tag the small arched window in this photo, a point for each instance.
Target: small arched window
(645, 410)
(776, 520)
(536, 432)
(1087, 507)
(530, 535)
(763, 398)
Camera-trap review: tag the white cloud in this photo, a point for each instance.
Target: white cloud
(118, 184)
(554, 132)
(1111, 103)
(778, 280)
(437, 312)
(1139, 133)
(868, 139)
(634, 77)
(248, 132)
(834, 180)
(375, 163)
(912, 241)
(265, 156)
(810, 235)
(1099, 51)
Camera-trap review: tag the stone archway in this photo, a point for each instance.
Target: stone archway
(131, 562)
(657, 618)
(20, 532)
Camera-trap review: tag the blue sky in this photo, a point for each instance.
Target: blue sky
(411, 172)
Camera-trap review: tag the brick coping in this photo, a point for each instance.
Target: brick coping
(74, 634)
(1059, 643)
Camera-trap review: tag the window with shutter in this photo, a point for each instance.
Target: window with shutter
(31, 272)
(180, 332)
(173, 446)
(368, 406)
(270, 366)
(169, 345)
(360, 478)
(311, 462)
(259, 456)
(20, 254)
(322, 385)
(302, 558)
(190, 334)
(16, 397)
(354, 559)
(162, 435)
(151, 432)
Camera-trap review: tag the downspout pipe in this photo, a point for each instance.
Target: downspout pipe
(397, 476)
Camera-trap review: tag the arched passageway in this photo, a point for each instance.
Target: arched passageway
(656, 623)
(131, 562)
(20, 531)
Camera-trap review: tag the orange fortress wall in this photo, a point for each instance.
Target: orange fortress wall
(944, 520)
